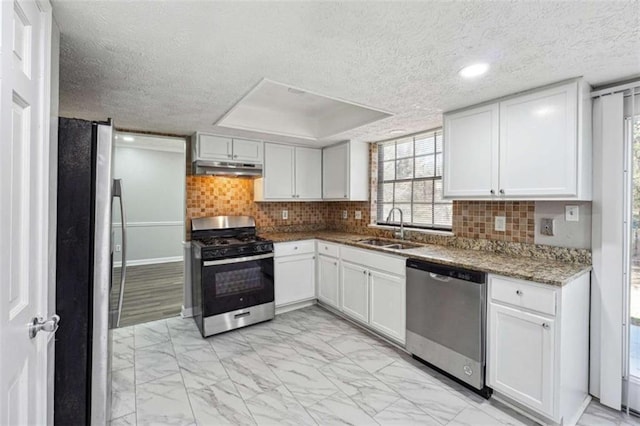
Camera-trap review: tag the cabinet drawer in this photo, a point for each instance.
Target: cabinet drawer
(328, 249)
(294, 247)
(375, 260)
(523, 294)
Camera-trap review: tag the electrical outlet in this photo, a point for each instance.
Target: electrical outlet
(501, 223)
(285, 214)
(118, 248)
(358, 215)
(345, 214)
(572, 213)
(546, 226)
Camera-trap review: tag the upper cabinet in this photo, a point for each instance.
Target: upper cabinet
(345, 172)
(291, 173)
(533, 146)
(222, 148)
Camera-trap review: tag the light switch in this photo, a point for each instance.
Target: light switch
(572, 213)
(345, 214)
(285, 214)
(546, 226)
(501, 223)
(358, 215)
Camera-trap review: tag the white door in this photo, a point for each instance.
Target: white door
(471, 153)
(294, 279)
(521, 356)
(308, 173)
(278, 171)
(328, 280)
(355, 291)
(335, 164)
(247, 150)
(25, 46)
(212, 147)
(388, 304)
(539, 143)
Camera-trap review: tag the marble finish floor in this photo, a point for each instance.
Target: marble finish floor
(305, 367)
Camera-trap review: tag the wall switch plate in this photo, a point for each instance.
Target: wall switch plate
(546, 226)
(345, 214)
(358, 215)
(572, 213)
(501, 223)
(118, 248)
(285, 214)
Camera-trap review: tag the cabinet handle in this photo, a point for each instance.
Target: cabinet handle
(502, 191)
(519, 293)
(326, 248)
(492, 192)
(364, 272)
(545, 325)
(229, 155)
(295, 248)
(235, 156)
(335, 263)
(345, 195)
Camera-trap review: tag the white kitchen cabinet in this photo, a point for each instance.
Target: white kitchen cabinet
(387, 310)
(294, 272)
(522, 350)
(534, 146)
(328, 280)
(291, 173)
(222, 148)
(345, 172)
(355, 291)
(538, 346)
(471, 152)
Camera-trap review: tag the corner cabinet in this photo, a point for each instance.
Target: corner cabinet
(222, 148)
(294, 272)
(345, 172)
(291, 173)
(538, 345)
(534, 146)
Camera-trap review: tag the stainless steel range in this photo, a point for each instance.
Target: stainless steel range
(232, 274)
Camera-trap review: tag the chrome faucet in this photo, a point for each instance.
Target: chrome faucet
(401, 233)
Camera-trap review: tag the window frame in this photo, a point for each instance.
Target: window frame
(380, 206)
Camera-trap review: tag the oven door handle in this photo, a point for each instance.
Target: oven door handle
(237, 260)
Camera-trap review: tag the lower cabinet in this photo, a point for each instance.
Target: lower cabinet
(355, 291)
(387, 311)
(328, 280)
(294, 274)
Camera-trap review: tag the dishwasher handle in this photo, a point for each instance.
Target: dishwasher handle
(439, 277)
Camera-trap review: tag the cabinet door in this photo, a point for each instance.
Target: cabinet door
(247, 150)
(328, 280)
(355, 291)
(294, 279)
(335, 176)
(212, 147)
(471, 153)
(539, 144)
(521, 356)
(278, 171)
(388, 304)
(308, 173)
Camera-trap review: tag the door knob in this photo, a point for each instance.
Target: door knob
(39, 324)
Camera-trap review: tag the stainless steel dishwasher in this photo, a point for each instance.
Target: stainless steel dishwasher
(446, 320)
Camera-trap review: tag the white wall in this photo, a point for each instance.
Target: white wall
(566, 233)
(153, 181)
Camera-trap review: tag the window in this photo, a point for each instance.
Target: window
(410, 178)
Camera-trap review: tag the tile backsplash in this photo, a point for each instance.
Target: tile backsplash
(476, 219)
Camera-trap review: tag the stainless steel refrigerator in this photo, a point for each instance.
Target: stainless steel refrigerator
(88, 300)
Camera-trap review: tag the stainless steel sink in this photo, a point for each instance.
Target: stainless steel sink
(388, 244)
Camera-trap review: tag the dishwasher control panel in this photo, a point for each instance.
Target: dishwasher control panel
(448, 271)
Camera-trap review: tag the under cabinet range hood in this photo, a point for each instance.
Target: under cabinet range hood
(225, 168)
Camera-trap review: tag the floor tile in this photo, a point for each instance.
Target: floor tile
(122, 353)
(163, 402)
(472, 417)
(404, 413)
(305, 382)
(316, 351)
(128, 420)
(278, 407)
(151, 333)
(219, 404)
(123, 392)
(187, 340)
(154, 362)
(200, 368)
(250, 374)
(338, 409)
(229, 344)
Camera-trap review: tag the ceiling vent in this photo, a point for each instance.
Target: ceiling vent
(282, 110)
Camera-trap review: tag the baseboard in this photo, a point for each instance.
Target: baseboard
(574, 420)
(295, 305)
(140, 262)
(186, 312)
(522, 410)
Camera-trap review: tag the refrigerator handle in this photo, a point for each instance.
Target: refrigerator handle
(117, 193)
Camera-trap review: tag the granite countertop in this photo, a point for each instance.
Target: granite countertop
(538, 270)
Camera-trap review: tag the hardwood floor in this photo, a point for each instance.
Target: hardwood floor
(152, 292)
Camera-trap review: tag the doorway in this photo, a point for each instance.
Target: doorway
(152, 172)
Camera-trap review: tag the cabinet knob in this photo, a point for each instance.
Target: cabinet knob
(295, 248)
(545, 325)
(335, 263)
(492, 192)
(229, 155)
(364, 272)
(502, 191)
(519, 293)
(235, 156)
(345, 195)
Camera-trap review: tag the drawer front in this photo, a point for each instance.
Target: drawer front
(294, 247)
(328, 249)
(375, 260)
(523, 294)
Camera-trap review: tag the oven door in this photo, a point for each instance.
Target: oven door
(236, 283)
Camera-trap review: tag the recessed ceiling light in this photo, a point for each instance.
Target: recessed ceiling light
(474, 70)
(396, 131)
(127, 138)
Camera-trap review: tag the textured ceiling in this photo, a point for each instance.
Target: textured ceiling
(178, 66)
